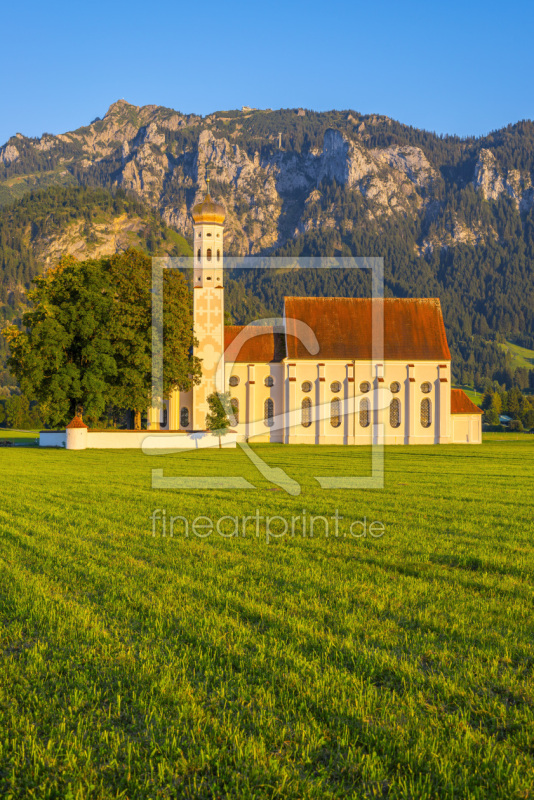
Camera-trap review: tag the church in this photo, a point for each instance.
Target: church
(315, 379)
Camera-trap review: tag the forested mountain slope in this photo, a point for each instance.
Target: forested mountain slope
(87, 223)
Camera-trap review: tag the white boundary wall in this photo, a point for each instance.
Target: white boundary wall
(466, 429)
(52, 438)
(145, 440)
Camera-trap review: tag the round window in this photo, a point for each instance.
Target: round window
(306, 386)
(395, 387)
(269, 380)
(426, 387)
(335, 387)
(234, 380)
(365, 387)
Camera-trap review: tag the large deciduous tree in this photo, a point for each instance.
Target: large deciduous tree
(131, 276)
(86, 343)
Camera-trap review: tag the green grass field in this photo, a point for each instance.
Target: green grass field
(140, 666)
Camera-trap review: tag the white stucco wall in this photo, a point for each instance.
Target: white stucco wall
(466, 428)
(182, 441)
(287, 395)
(52, 439)
(135, 440)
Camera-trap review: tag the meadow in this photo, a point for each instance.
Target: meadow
(521, 356)
(398, 665)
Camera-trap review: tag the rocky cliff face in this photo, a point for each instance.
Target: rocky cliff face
(490, 180)
(110, 235)
(270, 192)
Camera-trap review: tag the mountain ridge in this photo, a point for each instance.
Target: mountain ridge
(162, 156)
(451, 217)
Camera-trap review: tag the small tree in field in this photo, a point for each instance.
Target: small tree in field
(217, 418)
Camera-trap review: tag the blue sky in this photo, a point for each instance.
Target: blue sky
(463, 68)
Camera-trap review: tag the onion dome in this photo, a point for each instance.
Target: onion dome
(208, 211)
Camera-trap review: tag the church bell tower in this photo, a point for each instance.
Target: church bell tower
(208, 304)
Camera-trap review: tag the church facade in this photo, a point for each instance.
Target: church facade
(318, 378)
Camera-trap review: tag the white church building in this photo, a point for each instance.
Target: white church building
(316, 379)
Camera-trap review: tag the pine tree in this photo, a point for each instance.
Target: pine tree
(487, 400)
(491, 415)
(514, 402)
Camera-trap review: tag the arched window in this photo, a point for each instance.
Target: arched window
(218, 255)
(394, 413)
(208, 254)
(234, 381)
(426, 414)
(234, 416)
(365, 386)
(306, 386)
(269, 380)
(268, 413)
(198, 254)
(184, 417)
(164, 417)
(306, 419)
(335, 412)
(364, 413)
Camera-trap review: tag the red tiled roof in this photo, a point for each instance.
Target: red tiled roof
(262, 347)
(76, 422)
(413, 328)
(461, 404)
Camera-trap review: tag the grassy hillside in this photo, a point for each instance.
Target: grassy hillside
(520, 356)
(17, 186)
(141, 666)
